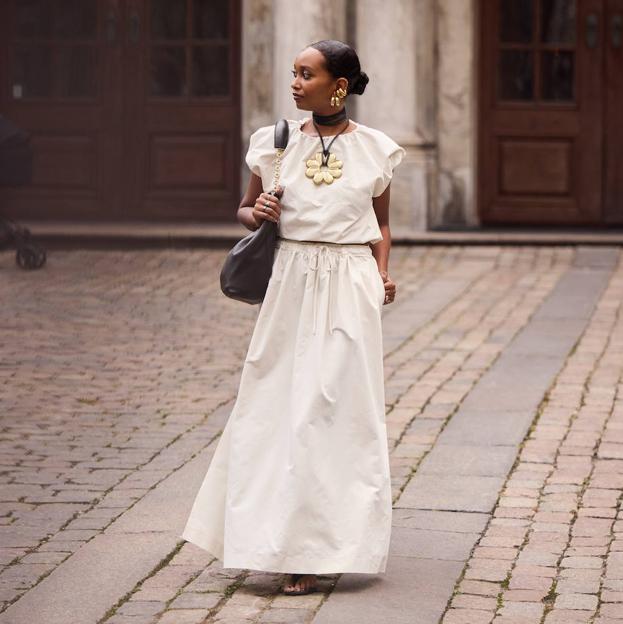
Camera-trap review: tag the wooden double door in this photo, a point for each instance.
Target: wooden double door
(133, 106)
(551, 112)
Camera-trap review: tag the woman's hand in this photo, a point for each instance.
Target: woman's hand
(267, 206)
(390, 287)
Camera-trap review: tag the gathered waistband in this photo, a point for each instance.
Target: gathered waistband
(323, 257)
(358, 248)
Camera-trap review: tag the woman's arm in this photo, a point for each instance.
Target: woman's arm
(250, 212)
(247, 203)
(380, 250)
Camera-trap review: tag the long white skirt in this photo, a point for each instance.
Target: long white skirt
(299, 481)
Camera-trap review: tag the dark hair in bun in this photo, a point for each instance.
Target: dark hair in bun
(360, 84)
(342, 62)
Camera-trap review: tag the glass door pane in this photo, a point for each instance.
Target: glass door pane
(210, 19)
(536, 51)
(53, 49)
(168, 71)
(168, 63)
(516, 21)
(211, 49)
(168, 19)
(558, 21)
(190, 50)
(557, 75)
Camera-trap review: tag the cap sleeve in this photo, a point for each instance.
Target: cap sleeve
(391, 155)
(261, 149)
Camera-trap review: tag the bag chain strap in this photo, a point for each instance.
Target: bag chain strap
(277, 169)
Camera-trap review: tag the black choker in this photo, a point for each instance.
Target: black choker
(330, 120)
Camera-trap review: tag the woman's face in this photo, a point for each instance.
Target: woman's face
(313, 86)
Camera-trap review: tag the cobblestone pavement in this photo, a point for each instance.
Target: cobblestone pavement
(119, 369)
(553, 551)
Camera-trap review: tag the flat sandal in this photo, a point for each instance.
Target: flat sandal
(299, 592)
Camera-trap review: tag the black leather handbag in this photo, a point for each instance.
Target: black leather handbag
(249, 264)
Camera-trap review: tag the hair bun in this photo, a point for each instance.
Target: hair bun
(360, 83)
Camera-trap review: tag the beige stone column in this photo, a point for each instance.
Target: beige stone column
(257, 64)
(455, 203)
(257, 74)
(395, 43)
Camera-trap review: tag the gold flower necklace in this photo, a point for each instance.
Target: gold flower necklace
(324, 166)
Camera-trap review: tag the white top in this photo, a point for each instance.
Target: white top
(340, 212)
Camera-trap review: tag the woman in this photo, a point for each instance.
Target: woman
(300, 480)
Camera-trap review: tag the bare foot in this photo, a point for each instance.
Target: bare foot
(299, 584)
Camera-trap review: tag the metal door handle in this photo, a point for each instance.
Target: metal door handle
(111, 27)
(592, 30)
(617, 31)
(135, 26)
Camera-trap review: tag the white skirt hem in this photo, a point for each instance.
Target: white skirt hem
(303, 564)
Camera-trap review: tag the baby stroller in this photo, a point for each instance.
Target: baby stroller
(16, 170)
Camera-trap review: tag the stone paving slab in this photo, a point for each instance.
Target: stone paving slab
(451, 492)
(448, 521)
(488, 427)
(576, 292)
(449, 458)
(86, 586)
(411, 590)
(604, 257)
(516, 382)
(430, 544)
(548, 337)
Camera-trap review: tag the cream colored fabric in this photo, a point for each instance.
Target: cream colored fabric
(300, 480)
(340, 212)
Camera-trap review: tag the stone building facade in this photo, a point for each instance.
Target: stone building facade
(509, 110)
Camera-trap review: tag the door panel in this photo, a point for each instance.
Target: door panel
(184, 117)
(540, 143)
(55, 76)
